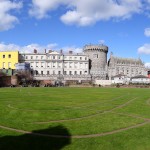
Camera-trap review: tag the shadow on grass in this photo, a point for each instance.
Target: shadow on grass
(37, 142)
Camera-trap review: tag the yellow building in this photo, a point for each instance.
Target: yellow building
(8, 59)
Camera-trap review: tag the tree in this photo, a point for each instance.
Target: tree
(24, 77)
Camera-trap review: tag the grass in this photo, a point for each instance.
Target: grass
(75, 112)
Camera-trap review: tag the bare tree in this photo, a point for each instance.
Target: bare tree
(24, 77)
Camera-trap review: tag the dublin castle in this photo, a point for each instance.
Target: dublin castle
(92, 64)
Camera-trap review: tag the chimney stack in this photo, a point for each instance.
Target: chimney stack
(70, 52)
(148, 74)
(50, 51)
(61, 51)
(35, 51)
(45, 51)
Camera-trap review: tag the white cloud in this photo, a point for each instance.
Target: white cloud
(40, 8)
(8, 20)
(28, 48)
(145, 49)
(40, 48)
(74, 49)
(87, 12)
(147, 32)
(147, 65)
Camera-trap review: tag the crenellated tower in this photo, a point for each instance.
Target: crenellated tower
(98, 60)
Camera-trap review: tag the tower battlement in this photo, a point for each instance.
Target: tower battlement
(101, 48)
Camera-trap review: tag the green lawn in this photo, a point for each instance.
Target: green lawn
(75, 118)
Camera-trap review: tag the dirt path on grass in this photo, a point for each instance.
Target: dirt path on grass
(76, 136)
(67, 107)
(80, 118)
(148, 102)
(132, 115)
(147, 121)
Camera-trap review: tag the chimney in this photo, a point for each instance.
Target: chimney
(148, 74)
(70, 52)
(50, 51)
(35, 51)
(45, 51)
(61, 51)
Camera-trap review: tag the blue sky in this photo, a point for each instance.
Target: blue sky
(122, 25)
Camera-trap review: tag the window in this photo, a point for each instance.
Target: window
(53, 72)
(85, 58)
(41, 57)
(75, 58)
(31, 57)
(26, 57)
(36, 72)
(3, 56)
(65, 65)
(75, 72)
(65, 72)
(59, 65)
(75, 65)
(80, 58)
(47, 72)
(70, 65)
(70, 58)
(53, 57)
(41, 72)
(86, 65)
(36, 64)
(95, 55)
(59, 57)
(9, 56)
(59, 72)
(36, 57)
(80, 72)
(9, 65)
(54, 65)
(42, 64)
(70, 72)
(127, 71)
(4, 65)
(31, 64)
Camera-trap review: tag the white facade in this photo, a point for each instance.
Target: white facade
(140, 79)
(76, 65)
(120, 79)
(54, 63)
(103, 82)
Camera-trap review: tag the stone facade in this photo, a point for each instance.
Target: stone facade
(98, 60)
(125, 66)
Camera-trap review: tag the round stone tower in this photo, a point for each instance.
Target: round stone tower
(98, 59)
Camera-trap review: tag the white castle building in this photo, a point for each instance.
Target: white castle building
(87, 66)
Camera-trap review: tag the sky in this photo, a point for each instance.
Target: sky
(122, 25)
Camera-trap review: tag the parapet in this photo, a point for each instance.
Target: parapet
(92, 47)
